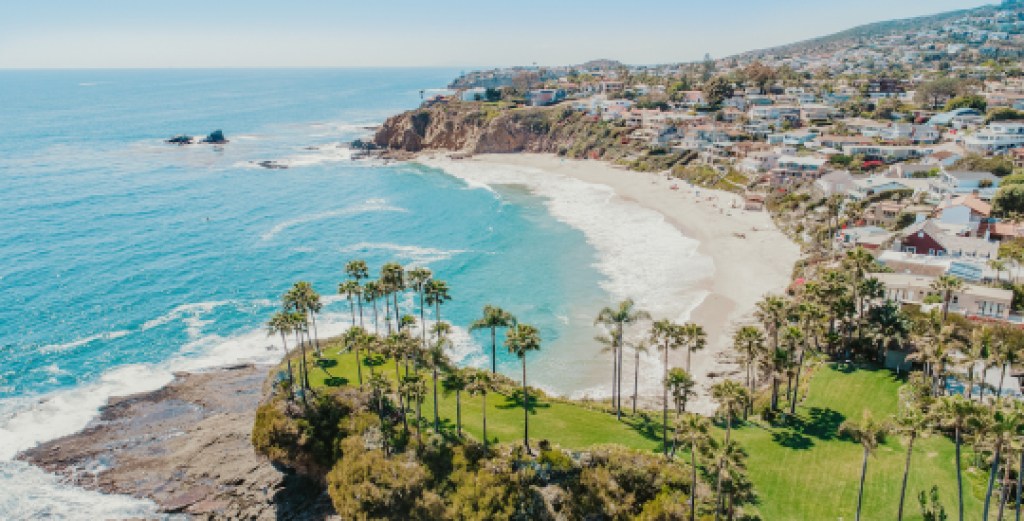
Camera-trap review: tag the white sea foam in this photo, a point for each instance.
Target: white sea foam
(67, 346)
(417, 255)
(31, 493)
(330, 214)
(184, 310)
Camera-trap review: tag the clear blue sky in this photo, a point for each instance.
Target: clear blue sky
(303, 33)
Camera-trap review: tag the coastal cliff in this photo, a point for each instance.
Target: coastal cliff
(476, 128)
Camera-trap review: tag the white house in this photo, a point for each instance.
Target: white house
(996, 137)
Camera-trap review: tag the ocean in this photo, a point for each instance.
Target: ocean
(124, 259)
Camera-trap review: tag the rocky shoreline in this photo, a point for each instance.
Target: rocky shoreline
(186, 447)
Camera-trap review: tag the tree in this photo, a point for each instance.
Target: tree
(282, 324)
(304, 299)
(373, 290)
(437, 358)
(350, 289)
(481, 383)
(946, 285)
(616, 319)
(418, 278)
(912, 422)
(665, 335)
(639, 346)
(693, 338)
(1009, 200)
(749, 342)
(869, 433)
(761, 75)
(520, 340)
(730, 457)
(436, 292)
(680, 385)
(357, 270)
(693, 431)
(732, 398)
(771, 311)
(493, 318)
(956, 412)
(936, 92)
(999, 427)
(716, 90)
(415, 389)
(971, 101)
(355, 337)
(392, 276)
(456, 381)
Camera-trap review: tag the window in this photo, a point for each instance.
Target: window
(956, 299)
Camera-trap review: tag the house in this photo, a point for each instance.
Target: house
(884, 214)
(997, 137)
(812, 112)
(971, 301)
(930, 238)
(474, 94)
(956, 183)
(887, 153)
(875, 185)
(1000, 230)
(753, 201)
(1017, 156)
(543, 97)
(966, 210)
(911, 133)
(867, 237)
(794, 168)
(833, 183)
(838, 142)
(946, 119)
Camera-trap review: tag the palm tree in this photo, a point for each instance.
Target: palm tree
(869, 433)
(979, 351)
(639, 346)
(1000, 426)
(392, 275)
(793, 338)
(381, 386)
(358, 271)
(693, 430)
(456, 381)
(680, 385)
(617, 318)
(771, 311)
(355, 337)
(732, 398)
(946, 286)
(281, 324)
(999, 266)
(437, 358)
(778, 364)
(395, 347)
(520, 340)
(730, 457)
(913, 423)
(956, 412)
(304, 299)
(415, 389)
(665, 335)
(694, 339)
(493, 318)
(418, 278)
(436, 292)
(349, 289)
(749, 342)
(480, 382)
(373, 291)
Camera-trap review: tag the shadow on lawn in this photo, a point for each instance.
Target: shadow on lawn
(515, 401)
(819, 423)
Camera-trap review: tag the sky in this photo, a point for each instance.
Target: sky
(402, 33)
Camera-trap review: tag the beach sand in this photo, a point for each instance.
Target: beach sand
(751, 256)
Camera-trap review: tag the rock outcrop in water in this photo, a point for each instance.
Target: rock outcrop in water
(213, 138)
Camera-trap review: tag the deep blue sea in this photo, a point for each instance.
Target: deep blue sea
(123, 258)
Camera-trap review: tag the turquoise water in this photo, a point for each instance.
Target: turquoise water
(123, 258)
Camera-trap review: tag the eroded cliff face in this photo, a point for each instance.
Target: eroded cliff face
(473, 128)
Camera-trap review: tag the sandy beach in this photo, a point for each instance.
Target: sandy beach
(751, 256)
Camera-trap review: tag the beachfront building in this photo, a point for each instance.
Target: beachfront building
(929, 237)
(996, 138)
(957, 183)
(797, 168)
(971, 301)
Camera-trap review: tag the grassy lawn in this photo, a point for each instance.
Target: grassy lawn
(802, 471)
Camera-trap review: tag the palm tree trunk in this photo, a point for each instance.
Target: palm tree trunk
(1002, 376)
(398, 319)
(636, 380)
(618, 396)
(352, 308)
(796, 391)
(316, 336)
(401, 400)
(992, 477)
(423, 323)
(959, 475)
(1004, 490)
(906, 474)
(376, 326)
(458, 413)
(419, 422)
(291, 377)
(437, 422)
(615, 372)
(494, 350)
(664, 404)
(485, 421)
(359, 298)
(981, 384)
(718, 491)
(526, 412)
(1020, 484)
(693, 481)
(863, 475)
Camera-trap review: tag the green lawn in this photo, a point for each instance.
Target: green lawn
(800, 472)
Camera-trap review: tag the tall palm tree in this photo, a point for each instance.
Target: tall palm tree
(665, 335)
(777, 365)
(373, 290)
(436, 292)
(680, 385)
(304, 299)
(281, 324)
(415, 389)
(693, 430)
(356, 337)
(793, 337)
(957, 413)
(616, 319)
(771, 311)
(869, 433)
(946, 286)
(357, 270)
(730, 457)
(455, 381)
(694, 339)
(493, 318)
(418, 278)
(396, 348)
(393, 276)
(999, 427)
(639, 346)
(481, 383)
(350, 289)
(979, 351)
(732, 398)
(912, 422)
(520, 340)
(437, 358)
(381, 386)
(749, 342)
